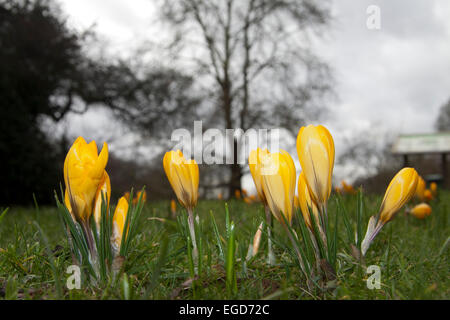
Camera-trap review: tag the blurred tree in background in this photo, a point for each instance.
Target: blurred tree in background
(46, 73)
(254, 61)
(39, 60)
(443, 119)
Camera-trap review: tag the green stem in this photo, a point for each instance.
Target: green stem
(270, 255)
(191, 224)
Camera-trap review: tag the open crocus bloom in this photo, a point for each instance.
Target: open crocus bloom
(315, 148)
(119, 218)
(84, 172)
(183, 176)
(279, 175)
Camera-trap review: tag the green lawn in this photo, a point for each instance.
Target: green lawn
(413, 256)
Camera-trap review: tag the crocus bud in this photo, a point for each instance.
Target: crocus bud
(433, 188)
(183, 176)
(104, 190)
(119, 218)
(427, 195)
(315, 148)
(421, 211)
(279, 175)
(400, 190)
(254, 163)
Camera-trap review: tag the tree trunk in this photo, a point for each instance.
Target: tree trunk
(235, 173)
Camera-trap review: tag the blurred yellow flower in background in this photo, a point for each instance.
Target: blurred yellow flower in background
(421, 211)
(433, 188)
(428, 195)
(173, 207)
(138, 195)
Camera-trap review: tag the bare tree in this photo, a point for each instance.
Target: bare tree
(252, 57)
(443, 119)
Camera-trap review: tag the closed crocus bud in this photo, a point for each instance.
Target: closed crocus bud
(279, 175)
(83, 174)
(173, 207)
(183, 176)
(305, 201)
(348, 188)
(421, 211)
(427, 195)
(420, 189)
(119, 218)
(315, 148)
(433, 188)
(400, 190)
(138, 195)
(254, 163)
(105, 190)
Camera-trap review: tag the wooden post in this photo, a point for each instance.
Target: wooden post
(405, 160)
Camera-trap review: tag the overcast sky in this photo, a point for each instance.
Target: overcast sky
(393, 79)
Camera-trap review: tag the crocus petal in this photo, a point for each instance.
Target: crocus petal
(305, 201)
(119, 218)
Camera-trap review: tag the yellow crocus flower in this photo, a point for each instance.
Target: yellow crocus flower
(315, 148)
(305, 201)
(427, 195)
(119, 218)
(254, 163)
(173, 207)
(279, 175)
(84, 170)
(400, 190)
(104, 188)
(433, 188)
(183, 176)
(421, 211)
(144, 197)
